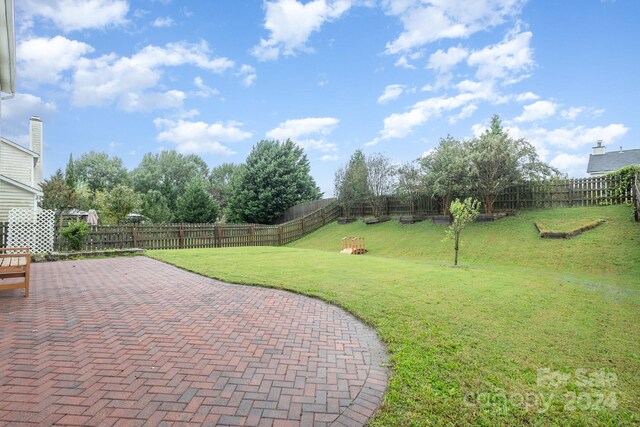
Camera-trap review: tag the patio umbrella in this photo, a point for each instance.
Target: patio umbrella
(92, 217)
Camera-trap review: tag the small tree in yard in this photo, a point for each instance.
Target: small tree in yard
(463, 213)
(381, 175)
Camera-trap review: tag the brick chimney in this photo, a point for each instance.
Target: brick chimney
(599, 148)
(35, 140)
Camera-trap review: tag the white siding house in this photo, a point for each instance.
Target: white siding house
(21, 171)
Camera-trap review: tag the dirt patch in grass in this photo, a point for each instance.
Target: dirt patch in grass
(565, 228)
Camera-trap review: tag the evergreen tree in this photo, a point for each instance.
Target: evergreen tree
(196, 205)
(70, 173)
(276, 176)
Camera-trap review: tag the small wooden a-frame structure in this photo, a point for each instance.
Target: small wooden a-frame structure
(353, 245)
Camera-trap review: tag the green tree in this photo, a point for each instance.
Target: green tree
(100, 172)
(169, 173)
(85, 197)
(463, 213)
(57, 195)
(220, 182)
(196, 205)
(447, 171)
(499, 162)
(411, 183)
(70, 174)
(155, 207)
(351, 182)
(116, 204)
(381, 179)
(276, 176)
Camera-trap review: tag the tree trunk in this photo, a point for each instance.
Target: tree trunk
(446, 204)
(455, 262)
(488, 203)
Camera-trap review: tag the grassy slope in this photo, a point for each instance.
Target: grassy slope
(520, 303)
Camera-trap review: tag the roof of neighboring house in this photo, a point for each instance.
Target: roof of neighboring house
(20, 185)
(613, 161)
(19, 147)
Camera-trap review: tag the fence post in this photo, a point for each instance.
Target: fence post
(181, 236)
(571, 192)
(252, 233)
(134, 236)
(302, 222)
(279, 235)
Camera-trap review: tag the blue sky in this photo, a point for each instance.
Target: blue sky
(391, 76)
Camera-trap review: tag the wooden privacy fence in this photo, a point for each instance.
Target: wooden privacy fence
(636, 197)
(594, 191)
(298, 211)
(183, 236)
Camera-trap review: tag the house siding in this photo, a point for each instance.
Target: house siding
(16, 164)
(14, 197)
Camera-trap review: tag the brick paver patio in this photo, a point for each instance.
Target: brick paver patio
(133, 341)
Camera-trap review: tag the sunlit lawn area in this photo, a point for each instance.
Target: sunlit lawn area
(466, 344)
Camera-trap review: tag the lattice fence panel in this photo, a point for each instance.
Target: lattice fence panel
(33, 228)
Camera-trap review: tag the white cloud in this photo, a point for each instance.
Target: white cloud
(248, 75)
(527, 96)
(149, 101)
(291, 22)
(42, 60)
(442, 61)
(428, 21)
(403, 62)
(163, 22)
(200, 137)
(108, 79)
(301, 131)
(572, 113)
(330, 157)
(399, 125)
(17, 111)
(539, 110)
(300, 127)
(317, 145)
(25, 105)
(573, 137)
(508, 60)
(204, 90)
(72, 15)
(574, 165)
(391, 92)
(465, 113)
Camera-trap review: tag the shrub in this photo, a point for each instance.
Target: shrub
(76, 234)
(626, 176)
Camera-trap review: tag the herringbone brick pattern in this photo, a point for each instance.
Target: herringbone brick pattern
(132, 341)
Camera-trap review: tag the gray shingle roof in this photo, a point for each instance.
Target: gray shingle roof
(613, 161)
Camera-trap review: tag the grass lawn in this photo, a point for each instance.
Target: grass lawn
(466, 344)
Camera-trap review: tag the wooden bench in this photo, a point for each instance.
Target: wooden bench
(15, 263)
